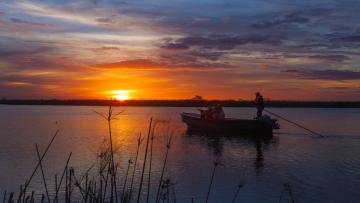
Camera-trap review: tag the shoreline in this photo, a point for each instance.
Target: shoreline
(184, 103)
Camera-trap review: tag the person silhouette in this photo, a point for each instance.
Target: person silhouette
(259, 103)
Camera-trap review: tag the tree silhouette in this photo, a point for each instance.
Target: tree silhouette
(197, 97)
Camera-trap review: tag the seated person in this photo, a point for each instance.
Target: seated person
(212, 113)
(203, 114)
(207, 114)
(218, 112)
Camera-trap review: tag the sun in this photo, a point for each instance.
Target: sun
(121, 95)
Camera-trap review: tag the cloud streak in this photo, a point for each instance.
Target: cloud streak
(288, 18)
(220, 42)
(326, 74)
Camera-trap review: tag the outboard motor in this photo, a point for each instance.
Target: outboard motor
(272, 122)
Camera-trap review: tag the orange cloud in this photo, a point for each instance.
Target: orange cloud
(136, 63)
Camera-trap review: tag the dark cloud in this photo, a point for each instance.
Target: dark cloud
(134, 64)
(169, 61)
(26, 80)
(341, 28)
(313, 57)
(23, 54)
(208, 55)
(25, 22)
(347, 39)
(22, 86)
(292, 17)
(29, 51)
(22, 92)
(209, 51)
(95, 2)
(329, 58)
(220, 42)
(320, 11)
(195, 59)
(36, 58)
(196, 51)
(325, 74)
(175, 46)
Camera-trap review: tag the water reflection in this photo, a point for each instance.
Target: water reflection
(217, 143)
(308, 164)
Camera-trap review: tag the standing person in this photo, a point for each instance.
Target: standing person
(259, 103)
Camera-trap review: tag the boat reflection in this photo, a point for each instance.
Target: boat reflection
(217, 143)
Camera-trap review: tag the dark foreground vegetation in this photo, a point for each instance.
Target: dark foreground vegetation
(102, 182)
(186, 103)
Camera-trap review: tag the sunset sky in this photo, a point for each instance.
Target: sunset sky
(166, 49)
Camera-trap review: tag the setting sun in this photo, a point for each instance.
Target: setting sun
(121, 95)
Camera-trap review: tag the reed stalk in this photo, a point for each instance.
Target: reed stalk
(32, 196)
(56, 183)
(106, 181)
(168, 192)
(126, 177)
(216, 163)
(20, 193)
(144, 164)
(42, 173)
(236, 193)
(23, 196)
(38, 164)
(83, 191)
(4, 197)
(136, 158)
(109, 117)
(100, 191)
(150, 163)
(113, 177)
(287, 188)
(168, 145)
(62, 177)
(66, 185)
(174, 194)
(42, 198)
(11, 197)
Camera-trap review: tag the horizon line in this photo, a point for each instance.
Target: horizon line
(195, 100)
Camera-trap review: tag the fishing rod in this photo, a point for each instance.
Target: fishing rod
(292, 122)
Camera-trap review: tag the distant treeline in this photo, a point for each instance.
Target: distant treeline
(186, 103)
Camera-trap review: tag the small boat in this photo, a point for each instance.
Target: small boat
(262, 127)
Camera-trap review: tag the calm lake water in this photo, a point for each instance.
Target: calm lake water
(317, 169)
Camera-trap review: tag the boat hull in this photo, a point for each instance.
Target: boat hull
(229, 126)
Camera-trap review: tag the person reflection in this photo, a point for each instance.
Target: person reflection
(259, 160)
(216, 145)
